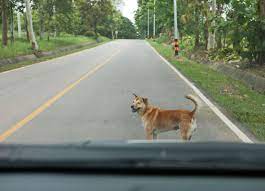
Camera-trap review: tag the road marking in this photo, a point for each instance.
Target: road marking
(57, 58)
(51, 101)
(227, 121)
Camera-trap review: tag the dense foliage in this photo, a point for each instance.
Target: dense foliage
(50, 18)
(235, 26)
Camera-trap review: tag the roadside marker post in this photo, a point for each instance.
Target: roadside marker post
(176, 32)
(176, 47)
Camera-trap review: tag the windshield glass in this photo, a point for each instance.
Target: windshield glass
(184, 71)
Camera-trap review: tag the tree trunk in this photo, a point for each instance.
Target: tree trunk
(236, 41)
(18, 25)
(197, 30)
(211, 37)
(95, 24)
(48, 32)
(26, 27)
(219, 33)
(54, 21)
(4, 24)
(219, 41)
(224, 39)
(206, 33)
(41, 21)
(12, 24)
(49, 26)
(42, 27)
(112, 34)
(261, 58)
(262, 8)
(261, 55)
(30, 26)
(116, 34)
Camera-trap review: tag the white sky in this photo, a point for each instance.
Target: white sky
(128, 8)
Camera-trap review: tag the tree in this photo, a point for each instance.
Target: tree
(54, 16)
(197, 30)
(19, 24)
(32, 37)
(211, 36)
(41, 12)
(126, 29)
(219, 28)
(261, 7)
(261, 16)
(4, 23)
(51, 17)
(231, 28)
(115, 21)
(11, 16)
(26, 26)
(48, 7)
(95, 13)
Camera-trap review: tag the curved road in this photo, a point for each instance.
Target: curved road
(87, 95)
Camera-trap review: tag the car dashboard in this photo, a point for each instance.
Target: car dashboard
(133, 167)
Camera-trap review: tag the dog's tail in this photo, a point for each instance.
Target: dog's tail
(195, 101)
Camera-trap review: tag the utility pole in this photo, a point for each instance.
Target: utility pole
(176, 32)
(148, 24)
(154, 29)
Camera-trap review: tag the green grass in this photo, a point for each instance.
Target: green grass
(22, 47)
(26, 63)
(242, 103)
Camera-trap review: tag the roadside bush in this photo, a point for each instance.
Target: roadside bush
(187, 43)
(164, 38)
(89, 33)
(225, 54)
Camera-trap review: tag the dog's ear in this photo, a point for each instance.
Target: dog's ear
(135, 95)
(145, 100)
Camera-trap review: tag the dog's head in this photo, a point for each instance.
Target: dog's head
(139, 104)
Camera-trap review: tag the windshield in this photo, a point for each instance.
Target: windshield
(136, 70)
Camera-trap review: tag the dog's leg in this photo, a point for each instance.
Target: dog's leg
(192, 129)
(155, 134)
(149, 134)
(184, 129)
(183, 135)
(177, 129)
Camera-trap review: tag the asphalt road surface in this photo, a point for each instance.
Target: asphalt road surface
(87, 96)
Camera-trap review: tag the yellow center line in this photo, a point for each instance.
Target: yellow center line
(51, 101)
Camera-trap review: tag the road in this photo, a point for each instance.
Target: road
(87, 96)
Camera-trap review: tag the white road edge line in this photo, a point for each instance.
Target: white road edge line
(20, 68)
(227, 121)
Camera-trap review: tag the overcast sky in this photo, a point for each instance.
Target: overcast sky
(128, 8)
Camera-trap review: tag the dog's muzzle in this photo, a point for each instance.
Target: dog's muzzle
(134, 109)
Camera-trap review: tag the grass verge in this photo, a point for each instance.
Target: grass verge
(26, 63)
(22, 47)
(242, 103)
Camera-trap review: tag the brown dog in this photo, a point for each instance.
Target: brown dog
(156, 120)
